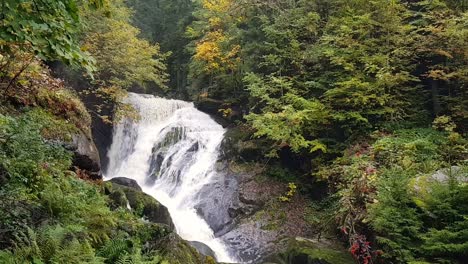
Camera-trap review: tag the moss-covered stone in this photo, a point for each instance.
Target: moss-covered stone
(118, 199)
(142, 204)
(209, 260)
(305, 251)
(159, 233)
(178, 251)
(202, 248)
(238, 145)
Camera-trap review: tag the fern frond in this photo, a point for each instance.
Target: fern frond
(114, 248)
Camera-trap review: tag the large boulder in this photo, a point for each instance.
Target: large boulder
(202, 248)
(422, 184)
(126, 182)
(86, 155)
(139, 202)
(218, 200)
(454, 173)
(178, 251)
(307, 251)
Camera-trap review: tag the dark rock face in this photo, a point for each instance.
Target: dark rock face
(86, 155)
(218, 200)
(211, 107)
(238, 206)
(101, 131)
(102, 134)
(225, 204)
(202, 248)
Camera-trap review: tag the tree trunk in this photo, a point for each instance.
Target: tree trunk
(435, 97)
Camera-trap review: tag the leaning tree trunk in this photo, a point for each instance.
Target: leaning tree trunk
(436, 108)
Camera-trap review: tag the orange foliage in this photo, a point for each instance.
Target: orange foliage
(217, 5)
(216, 57)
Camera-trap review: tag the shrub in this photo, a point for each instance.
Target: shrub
(387, 190)
(49, 215)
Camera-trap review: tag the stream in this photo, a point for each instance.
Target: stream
(171, 151)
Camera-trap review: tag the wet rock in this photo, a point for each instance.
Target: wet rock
(141, 203)
(194, 148)
(217, 201)
(202, 248)
(225, 201)
(250, 241)
(126, 182)
(229, 204)
(259, 222)
(157, 159)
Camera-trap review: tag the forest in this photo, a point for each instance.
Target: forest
(353, 115)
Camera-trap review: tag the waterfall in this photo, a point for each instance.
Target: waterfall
(171, 151)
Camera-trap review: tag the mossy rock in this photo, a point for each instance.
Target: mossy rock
(158, 234)
(237, 144)
(142, 204)
(304, 251)
(202, 248)
(118, 199)
(178, 251)
(151, 231)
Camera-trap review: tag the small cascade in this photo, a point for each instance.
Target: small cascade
(171, 151)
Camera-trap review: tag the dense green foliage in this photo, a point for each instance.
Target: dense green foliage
(51, 212)
(394, 190)
(48, 214)
(351, 88)
(49, 28)
(164, 22)
(370, 97)
(123, 60)
(360, 64)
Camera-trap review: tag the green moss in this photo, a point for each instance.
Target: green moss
(308, 251)
(177, 251)
(66, 104)
(51, 216)
(329, 255)
(140, 202)
(118, 198)
(209, 260)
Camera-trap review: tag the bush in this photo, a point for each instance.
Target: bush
(51, 216)
(394, 191)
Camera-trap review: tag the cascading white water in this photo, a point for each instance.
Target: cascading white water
(171, 152)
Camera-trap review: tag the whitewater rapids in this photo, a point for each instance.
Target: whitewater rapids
(171, 151)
